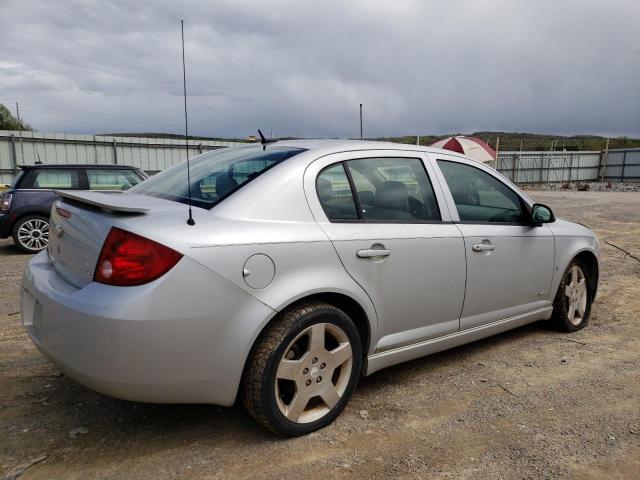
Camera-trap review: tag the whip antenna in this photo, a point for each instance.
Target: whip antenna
(190, 220)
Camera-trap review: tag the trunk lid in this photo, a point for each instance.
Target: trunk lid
(81, 221)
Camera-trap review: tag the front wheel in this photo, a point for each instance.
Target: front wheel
(572, 305)
(31, 233)
(303, 369)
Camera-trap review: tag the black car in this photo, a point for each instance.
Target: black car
(25, 206)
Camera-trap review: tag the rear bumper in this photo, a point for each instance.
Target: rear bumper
(183, 338)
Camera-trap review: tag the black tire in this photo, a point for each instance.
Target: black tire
(561, 304)
(31, 246)
(259, 381)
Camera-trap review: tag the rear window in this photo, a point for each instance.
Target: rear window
(16, 180)
(214, 175)
(48, 178)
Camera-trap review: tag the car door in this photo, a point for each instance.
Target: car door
(510, 262)
(390, 226)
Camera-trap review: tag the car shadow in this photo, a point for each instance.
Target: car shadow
(7, 247)
(117, 422)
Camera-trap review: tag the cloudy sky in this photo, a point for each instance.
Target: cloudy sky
(301, 68)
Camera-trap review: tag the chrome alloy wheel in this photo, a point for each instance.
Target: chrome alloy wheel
(34, 234)
(576, 294)
(313, 373)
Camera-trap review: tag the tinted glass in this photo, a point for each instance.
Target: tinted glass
(17, 180)
(51, 178)
(214, 175)
(394, 190)
(335, 194)
(112, 179)
(480, 197)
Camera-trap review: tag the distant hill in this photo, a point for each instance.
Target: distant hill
(511, 141)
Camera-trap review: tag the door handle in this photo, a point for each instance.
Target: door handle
(483, 247)
(373, 253)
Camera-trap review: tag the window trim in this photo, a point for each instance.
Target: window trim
(524, 205)
(361, 219)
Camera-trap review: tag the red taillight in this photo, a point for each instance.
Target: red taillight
(128, 259)
(63, 213)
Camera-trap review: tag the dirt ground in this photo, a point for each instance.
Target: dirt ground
(529, 403)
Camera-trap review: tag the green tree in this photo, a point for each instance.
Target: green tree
(9, 122)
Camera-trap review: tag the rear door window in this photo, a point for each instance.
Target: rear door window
(112, 179)
(394, 190)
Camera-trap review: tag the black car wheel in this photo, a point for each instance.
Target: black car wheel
(31, 233)
(572, 305)
(303, 369)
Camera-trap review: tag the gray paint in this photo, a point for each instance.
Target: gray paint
(185, 337)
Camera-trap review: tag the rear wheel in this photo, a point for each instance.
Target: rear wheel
(572, 305)
(31, 233)
(303, 370)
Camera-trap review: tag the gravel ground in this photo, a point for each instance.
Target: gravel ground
(584, 186)
(529, 403)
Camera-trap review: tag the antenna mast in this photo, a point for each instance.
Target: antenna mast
(190, 220)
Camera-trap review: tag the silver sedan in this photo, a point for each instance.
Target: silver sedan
(310, 264)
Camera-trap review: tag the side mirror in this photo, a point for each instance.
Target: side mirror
(541, 214)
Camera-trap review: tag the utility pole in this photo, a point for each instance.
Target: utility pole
(418, 140)
(495, 167)
(360, 121)
(20, 133)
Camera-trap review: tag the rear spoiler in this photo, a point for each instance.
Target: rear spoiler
(107, 202)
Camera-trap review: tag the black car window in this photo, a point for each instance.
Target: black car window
(112, 179)
(479, 197)
(335, 194)
(394, 190)
(50, 178)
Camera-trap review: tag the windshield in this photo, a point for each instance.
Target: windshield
(214, 175)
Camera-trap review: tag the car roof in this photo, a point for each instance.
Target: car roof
(336, 145)
(76, 165)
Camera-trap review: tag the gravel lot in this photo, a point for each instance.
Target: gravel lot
(526, 404)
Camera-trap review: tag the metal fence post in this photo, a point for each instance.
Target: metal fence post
(571, 167)
(624, 162)
(115, 152)
(541, 168)
(14, 158)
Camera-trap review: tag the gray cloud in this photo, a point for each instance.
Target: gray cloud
(302, 68)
